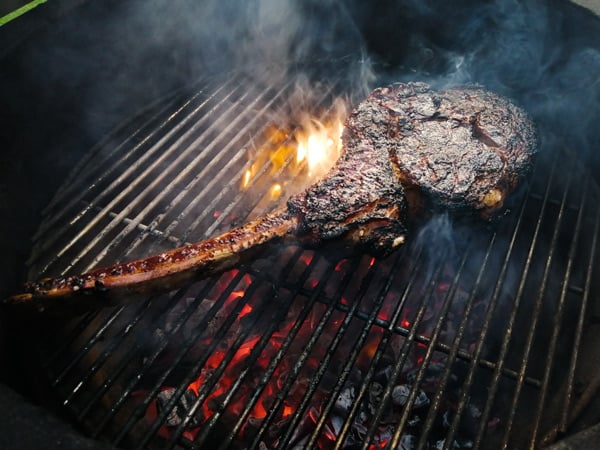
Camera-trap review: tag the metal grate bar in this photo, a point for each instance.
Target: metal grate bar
(285, 388)
(150, 230)
(352, 357)
(536, 316)
(77, 183)
(440, 346)
(140, 410)
(511, 321)
(323, 365)
(129, 188)
(148, 148)
(558, 315)
(555, 202)
(453, 354)
(566, 420)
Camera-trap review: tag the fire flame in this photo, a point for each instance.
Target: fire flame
(319, 146)
(306, 152)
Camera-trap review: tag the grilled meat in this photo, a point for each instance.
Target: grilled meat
(463, 147)
(360, 199)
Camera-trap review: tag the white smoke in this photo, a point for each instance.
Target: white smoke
(144, 49)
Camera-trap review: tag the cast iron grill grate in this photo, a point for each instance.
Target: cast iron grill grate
(470, 336)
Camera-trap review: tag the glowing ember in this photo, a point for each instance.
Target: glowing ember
(247, 309)
(287, 410)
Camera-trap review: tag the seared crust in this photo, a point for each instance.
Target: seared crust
(459, 149)
(361, 199)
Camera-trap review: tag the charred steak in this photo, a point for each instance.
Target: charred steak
(458, 148)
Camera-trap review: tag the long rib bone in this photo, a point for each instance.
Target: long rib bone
(361, 200)
(165, 270)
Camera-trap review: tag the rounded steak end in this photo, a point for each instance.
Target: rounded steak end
(461, 148)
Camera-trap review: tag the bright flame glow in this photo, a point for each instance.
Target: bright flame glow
(319, 146)
(246, 178)
(275, 191)
(290, 157)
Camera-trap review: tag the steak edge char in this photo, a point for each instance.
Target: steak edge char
(462, 148)
(361, 199)
(459, 149)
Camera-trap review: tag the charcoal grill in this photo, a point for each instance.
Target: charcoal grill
(469, 336)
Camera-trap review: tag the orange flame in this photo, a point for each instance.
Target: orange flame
(275, 191)
(319, 146)
(310, 151)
